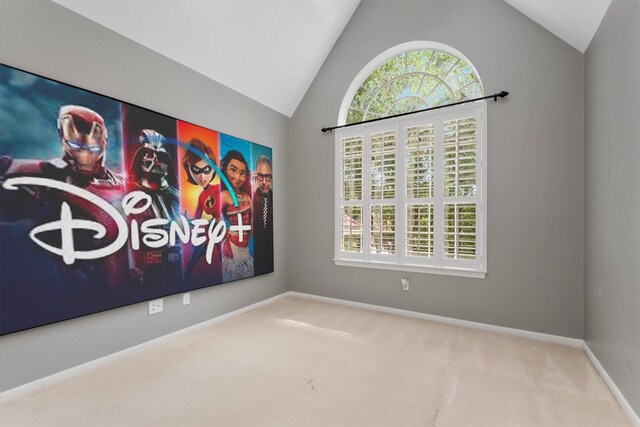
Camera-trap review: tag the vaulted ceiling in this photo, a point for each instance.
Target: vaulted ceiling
(271, 50)
(268, 50)
(574, 21)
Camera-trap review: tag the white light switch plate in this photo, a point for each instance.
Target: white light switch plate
(186, 298)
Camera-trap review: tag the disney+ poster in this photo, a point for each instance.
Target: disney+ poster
(105, 204)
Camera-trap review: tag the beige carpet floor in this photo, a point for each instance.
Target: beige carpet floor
(297, 362)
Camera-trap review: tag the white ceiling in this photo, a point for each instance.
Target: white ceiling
(574, 21)
(271, 50)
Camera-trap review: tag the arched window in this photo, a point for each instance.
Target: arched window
(410, 191)
(412, 76)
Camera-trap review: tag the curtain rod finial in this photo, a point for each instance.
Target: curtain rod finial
(499, 95)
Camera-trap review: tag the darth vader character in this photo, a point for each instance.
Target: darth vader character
(152, 171)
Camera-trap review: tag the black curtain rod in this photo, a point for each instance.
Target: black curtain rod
(495, 97)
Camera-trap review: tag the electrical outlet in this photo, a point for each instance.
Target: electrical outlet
(155, 306)
(405, 284)
(186, 298)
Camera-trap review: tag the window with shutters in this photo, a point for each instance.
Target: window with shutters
(411, 191)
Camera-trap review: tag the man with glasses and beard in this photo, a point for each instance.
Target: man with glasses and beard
(263, 217)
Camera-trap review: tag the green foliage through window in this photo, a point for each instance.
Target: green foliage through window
(412, 81)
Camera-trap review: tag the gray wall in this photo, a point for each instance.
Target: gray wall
(535, 168)
(47, 39)
(612, 200)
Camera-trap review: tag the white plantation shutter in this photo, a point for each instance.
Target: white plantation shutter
(383, 165)
(382, 172)
(351, 229)
(460, 230)
(351, 175)
(460, 164)
(411, 192)
(419, 164)
(420, 144)
(420, 237)
(351, 191)
(462, 224)
(383, 238)
(460, 157)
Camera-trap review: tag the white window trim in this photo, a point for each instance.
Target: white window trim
(476, 268)
(411, 268)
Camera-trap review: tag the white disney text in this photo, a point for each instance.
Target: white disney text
(154, 233)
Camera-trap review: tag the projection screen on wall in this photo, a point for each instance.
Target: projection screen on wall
(105, 204)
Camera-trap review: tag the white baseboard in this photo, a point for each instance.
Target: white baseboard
(635, 420)
(573, 342)
(76, 370)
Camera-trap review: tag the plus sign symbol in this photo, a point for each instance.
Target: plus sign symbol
(240, 228)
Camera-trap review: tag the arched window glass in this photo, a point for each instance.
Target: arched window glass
(414, 80)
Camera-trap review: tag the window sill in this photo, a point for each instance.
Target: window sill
(446, 271)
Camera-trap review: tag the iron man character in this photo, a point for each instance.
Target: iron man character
(83, 139)
(152, 171)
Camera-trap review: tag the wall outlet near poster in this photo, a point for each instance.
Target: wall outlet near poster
(155, 306)
(405, 284)
(186, 298)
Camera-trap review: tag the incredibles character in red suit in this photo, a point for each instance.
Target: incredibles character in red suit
(199, 172)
